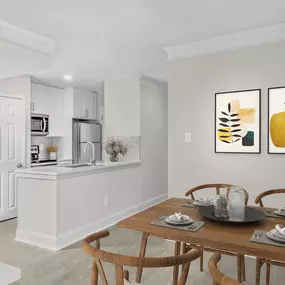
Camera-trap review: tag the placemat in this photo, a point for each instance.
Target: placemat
(264, 239)
(271, 214)
(162, 223)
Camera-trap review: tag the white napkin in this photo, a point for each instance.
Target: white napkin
(280, 229)
(178, 216)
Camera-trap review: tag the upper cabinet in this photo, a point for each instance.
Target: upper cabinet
(85, 104)
(40, 99)
(48, 100)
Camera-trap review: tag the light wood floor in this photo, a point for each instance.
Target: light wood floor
(72, 266)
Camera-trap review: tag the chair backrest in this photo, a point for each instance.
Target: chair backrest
(119, 261)
(218, 277)
(218, 188)
(258, 199)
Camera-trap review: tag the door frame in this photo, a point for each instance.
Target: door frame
(24, 133)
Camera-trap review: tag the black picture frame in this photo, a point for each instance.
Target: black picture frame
(268, 119)
(259, 118)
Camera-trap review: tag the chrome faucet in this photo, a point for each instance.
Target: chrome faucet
(92, 159)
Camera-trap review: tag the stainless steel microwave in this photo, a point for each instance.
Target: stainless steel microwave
(39, 125)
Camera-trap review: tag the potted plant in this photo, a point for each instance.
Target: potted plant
(52, 152)
(114, 147)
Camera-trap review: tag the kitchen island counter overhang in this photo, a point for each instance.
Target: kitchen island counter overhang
(59, 206)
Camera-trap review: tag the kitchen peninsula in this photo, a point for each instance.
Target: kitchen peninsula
(61, 205)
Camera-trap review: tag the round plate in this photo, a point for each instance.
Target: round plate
(275, 238)
(174, 219)
(251, 216)
(176, 223)
(199, 204)
(279, 213)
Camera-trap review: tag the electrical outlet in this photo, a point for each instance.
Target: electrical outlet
(106, 202)
(187, 137)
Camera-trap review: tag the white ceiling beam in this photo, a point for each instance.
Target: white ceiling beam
(20, 37)
(248, 38)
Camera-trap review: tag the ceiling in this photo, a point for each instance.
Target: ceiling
(116, 38)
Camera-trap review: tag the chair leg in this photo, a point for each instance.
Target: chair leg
(142, 254)
(268, 267)
(94, 274)
(239, 268)
(243, 268)
(258, 269)
(126, 275)
(202, 261)
(177, 251)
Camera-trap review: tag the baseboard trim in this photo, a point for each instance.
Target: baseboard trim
(62, 241)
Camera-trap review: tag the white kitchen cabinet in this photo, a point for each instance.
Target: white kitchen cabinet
(77, 103)
(56, 105)
(48, 100)
(89, 105)
(84, 104)
(39, 99)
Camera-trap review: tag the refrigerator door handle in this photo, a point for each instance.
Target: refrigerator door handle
(78, 143)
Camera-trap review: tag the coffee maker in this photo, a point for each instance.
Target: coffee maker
(35, 150)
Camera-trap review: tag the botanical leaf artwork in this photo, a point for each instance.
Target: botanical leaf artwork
(230, 131)
(234, 123)
(237, 122)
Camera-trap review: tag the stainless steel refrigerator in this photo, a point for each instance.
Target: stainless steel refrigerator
(83, 132)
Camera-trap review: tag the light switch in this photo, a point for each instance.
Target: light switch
(187, 137)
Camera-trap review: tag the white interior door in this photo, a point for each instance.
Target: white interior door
(11, 157)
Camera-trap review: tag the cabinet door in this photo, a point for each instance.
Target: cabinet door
(78, 103)
(39, 99)
(90, 105)
(56, 106)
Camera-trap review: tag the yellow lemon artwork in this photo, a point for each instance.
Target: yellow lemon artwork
(277, 129)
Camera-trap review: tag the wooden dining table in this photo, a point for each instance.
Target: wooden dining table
(229, 237)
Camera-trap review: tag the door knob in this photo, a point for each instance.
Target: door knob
(19, 165)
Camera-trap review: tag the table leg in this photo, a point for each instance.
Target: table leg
(239, 267)
(142, 254)
(268, 267)
(243, 267)
(202, 261)
(177, 251)
(258, 268)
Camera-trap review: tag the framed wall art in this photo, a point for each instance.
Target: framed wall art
(237, 121)
(276, 120)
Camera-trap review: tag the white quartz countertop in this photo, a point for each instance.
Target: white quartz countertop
(78, 171)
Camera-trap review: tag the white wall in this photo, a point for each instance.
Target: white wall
(122, 107)
(154, 130)
(20, 86)
(137, 108)
(193, 83)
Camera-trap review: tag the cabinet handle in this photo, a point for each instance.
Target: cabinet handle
(87, 113)
(33, 106)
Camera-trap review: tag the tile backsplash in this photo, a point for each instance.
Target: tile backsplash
(44, 143)
(134, 148)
